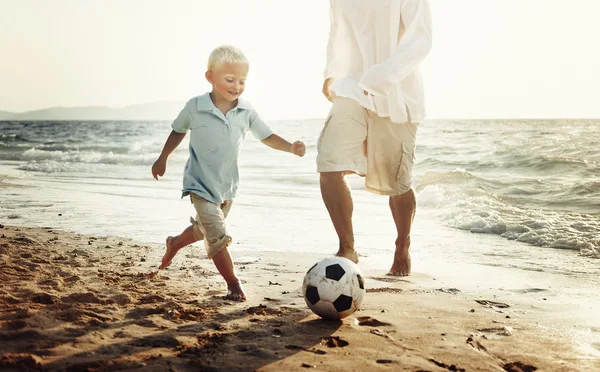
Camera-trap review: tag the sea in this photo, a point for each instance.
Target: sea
(501, 204)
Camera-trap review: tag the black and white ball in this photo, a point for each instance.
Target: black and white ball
(333, 288)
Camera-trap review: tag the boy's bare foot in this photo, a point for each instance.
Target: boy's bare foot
(235, 293)
(401, 265)
(169, 254)
(349, 254)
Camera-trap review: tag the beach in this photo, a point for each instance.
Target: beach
(504, 217)
(91, 303)
(96, 171)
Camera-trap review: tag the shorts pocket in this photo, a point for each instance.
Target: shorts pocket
(405, 166)
(320, 139)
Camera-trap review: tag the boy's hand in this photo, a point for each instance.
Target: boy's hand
(327, 89)
(298, 148)
(159, 167)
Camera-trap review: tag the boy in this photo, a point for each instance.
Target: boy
(218, 122)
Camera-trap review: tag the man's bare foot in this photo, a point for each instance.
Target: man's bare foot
(235, 293)
(169, 254)
(349, 254)
(401, 265)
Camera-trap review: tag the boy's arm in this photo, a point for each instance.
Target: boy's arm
(261, 131)
(160, 165)
(180, 126)
(278, 143)
(171, 144)
(412, 49)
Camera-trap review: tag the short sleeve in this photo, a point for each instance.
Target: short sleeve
(258, 127)
(181, 124)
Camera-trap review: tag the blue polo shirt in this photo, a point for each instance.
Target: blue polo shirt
(216, 139)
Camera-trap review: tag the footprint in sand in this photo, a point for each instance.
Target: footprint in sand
(475, 344)
(156, 342)
(518, 367)
(265, 310)
(23, 362)
(493, 304)
(381, 333)
(43, 298)
(370, 322)
(15, 325)
(530, 290)
(498, 332)
(451, 367)
(389, 279)
(334, 341)
(385, 290)
(84, 297)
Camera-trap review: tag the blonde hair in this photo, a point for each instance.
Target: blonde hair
(225, 54)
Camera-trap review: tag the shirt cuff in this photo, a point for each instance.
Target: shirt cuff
(376, 81)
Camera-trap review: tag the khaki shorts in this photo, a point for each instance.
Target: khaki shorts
(210, 224)
(359, 141)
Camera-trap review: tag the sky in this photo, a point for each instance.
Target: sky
(490, 58)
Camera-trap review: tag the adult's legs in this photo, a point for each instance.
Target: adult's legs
(403, 210)
(341, 150)
(338, 200)
(390, 155)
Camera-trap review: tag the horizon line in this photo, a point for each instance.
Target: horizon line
(308, 119)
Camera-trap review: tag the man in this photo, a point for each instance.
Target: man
(372, 77)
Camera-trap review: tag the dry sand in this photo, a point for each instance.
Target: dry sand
(76, 303)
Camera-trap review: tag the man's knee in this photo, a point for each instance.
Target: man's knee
(330, 177)
(404, 193)
(407, 198)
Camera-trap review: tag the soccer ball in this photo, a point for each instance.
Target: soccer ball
(333, 288)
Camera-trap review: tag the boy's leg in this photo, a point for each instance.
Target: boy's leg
(341, 151)
(175, 243)
(224, 264)
(211, 221)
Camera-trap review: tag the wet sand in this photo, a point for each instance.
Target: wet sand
(73, 302)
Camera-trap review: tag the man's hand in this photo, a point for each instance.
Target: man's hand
(327, 89)
(159, 167)
(298, 148)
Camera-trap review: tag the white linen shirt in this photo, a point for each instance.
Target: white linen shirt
(378, 46)
(215, 142)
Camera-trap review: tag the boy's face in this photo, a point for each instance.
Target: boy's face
(228, 80)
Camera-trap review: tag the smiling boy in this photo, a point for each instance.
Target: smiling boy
(218, 122)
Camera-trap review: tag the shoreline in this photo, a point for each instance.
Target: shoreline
(78, 302)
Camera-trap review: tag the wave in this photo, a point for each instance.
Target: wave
(542, 165)
(13, 137)
(87, 157)
(486, 213)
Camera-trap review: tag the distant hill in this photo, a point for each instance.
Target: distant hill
(5, 115)
(164, 110)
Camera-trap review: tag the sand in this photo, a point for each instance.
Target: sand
(83, 303)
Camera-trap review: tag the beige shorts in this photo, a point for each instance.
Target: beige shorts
(359, 141)
(210, 224)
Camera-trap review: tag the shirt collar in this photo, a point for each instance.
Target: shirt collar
(204, 103)
(243, 104)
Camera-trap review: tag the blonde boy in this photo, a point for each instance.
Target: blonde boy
(218, 122)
